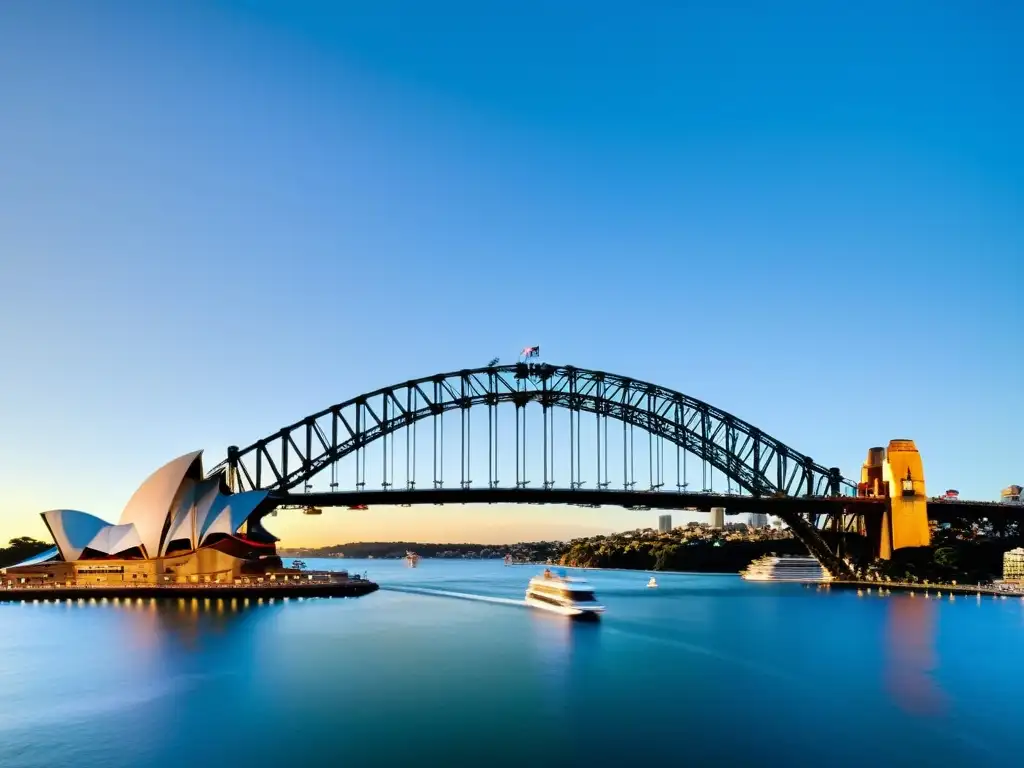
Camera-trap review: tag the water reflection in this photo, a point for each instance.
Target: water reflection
(563, 642)
(911, 657)
(122, 668)
(485, 682)
(185, 622)
(148, 624)
(566, 663)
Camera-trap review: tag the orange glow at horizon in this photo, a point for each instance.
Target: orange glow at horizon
(478, 524)
(435, 524)
(448, 524)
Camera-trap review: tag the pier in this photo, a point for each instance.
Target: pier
(902, 586)
(272, 589)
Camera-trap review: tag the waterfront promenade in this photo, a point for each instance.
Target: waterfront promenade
(996, 590)
(323, 587)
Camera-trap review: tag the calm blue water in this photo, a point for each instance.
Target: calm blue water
(705, 670)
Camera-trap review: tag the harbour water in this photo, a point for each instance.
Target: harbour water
(445, 666)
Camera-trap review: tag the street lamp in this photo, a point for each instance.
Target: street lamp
(908, 485)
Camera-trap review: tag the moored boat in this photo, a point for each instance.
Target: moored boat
(786, 568)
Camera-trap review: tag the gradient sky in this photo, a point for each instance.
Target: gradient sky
(216, 218)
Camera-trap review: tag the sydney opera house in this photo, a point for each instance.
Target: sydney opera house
(178, 527)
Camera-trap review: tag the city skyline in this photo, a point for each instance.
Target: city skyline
(218, 220)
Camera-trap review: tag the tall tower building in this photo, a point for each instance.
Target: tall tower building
(664, 523)
(758, 520)
(718, 517)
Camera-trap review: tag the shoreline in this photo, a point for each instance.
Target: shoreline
(634, 570)
(965, 589)
(962, 589)
(350, 588)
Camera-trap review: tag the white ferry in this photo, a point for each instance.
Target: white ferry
(785, 568)
(563, 595)
(412, 559)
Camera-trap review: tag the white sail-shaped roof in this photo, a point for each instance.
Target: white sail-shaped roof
(182, 517)
(116, 538)
(42, 557)
(150, 506)
(227, 513)
(192, 510)
(208, 505)
(175, 503)
(72, 530)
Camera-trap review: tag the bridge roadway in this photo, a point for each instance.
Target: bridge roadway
(733, 503)
(938, 509)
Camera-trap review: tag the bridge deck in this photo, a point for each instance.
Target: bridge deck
(938, 509)
(703, 502)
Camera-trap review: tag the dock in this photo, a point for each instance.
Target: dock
(900, 586)
(336, 588)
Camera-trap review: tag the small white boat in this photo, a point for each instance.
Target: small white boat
(412, 559)
(563, 595)
(652, 583)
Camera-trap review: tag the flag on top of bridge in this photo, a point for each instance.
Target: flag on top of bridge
(530, 352)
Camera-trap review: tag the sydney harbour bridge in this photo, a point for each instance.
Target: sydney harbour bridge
(537, 433)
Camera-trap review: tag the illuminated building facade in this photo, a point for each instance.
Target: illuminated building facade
(897, 474)
(1013, 565)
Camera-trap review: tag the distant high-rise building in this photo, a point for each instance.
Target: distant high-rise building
(718, 517)
(664, 523)
(1013, 565)
(758, 520)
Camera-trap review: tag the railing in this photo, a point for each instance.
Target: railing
(916, 586)
(327, 577)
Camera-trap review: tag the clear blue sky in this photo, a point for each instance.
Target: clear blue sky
(216, 218)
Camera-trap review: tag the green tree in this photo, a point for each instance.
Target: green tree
(948, 557)
(21, 548)
(665, 558)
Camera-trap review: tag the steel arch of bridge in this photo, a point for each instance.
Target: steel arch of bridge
(759, 463)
